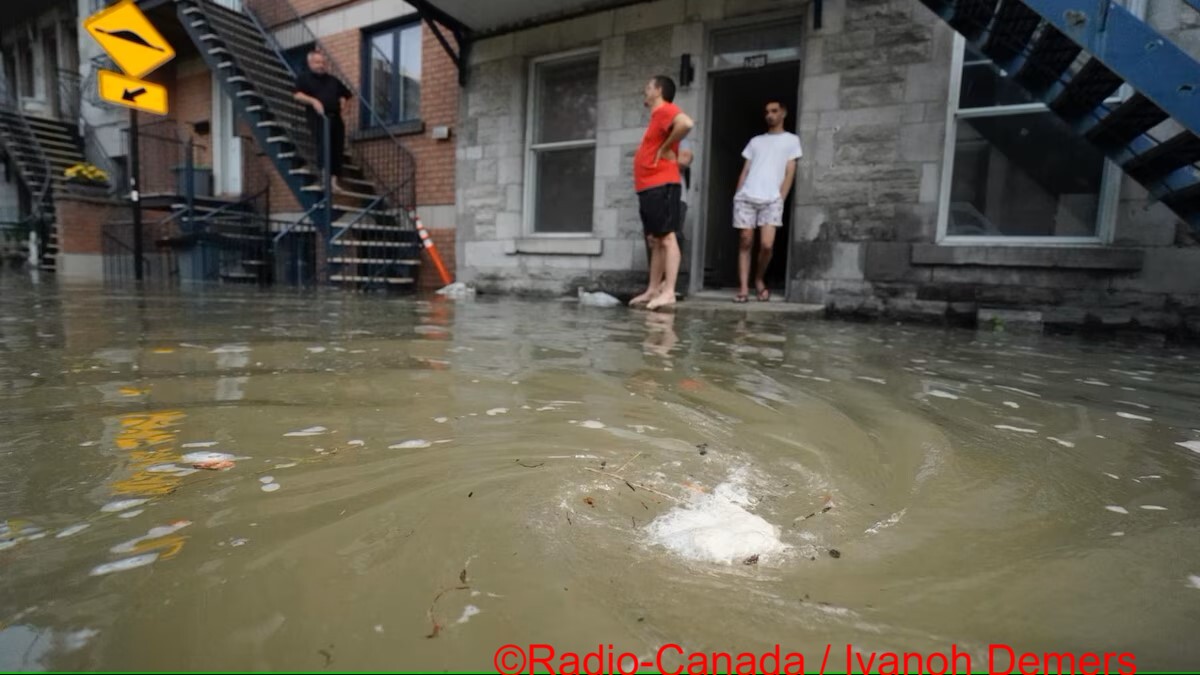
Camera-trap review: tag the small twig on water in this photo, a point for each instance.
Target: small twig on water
(628, 463)
(437, 627)
(638, 485)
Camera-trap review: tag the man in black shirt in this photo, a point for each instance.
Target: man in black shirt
(324, 96)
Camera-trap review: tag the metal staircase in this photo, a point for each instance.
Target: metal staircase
(1072, 55)
(25, 158)
(370, 239)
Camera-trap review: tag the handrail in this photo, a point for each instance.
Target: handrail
(10, 101)
(402, 189)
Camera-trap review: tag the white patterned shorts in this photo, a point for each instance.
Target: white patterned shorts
(748, 214)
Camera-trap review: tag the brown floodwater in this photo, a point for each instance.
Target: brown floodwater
(492, 471)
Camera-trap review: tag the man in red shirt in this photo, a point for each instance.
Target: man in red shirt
(659, 186)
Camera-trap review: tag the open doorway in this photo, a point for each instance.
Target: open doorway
(738, 101)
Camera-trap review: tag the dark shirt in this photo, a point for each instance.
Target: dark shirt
(325, 88)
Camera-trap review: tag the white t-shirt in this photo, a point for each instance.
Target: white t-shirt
(768, 155)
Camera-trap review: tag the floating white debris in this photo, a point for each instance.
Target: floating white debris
(937, 393)
(497, 411)
(597, 299)
(239, 541)
(311, 431)
(1152, 476)
(378, 628)
(1013, 404)
(1194, 580)
(288, 465)
(206, 457)
(441, 420)
(72, 530)
(270, 487)
(1117, 534)
(1118, 509)
(154, 533)
(1065, 444)
(546, 408)
(123, 565)
(1112, 475)
(876, 380)
(131, 514)
(266, 479)
(355, 443)
(1006, 427)
(716, 527)
(415, 444)
(468, 612)
(1131, 416)
(199, 444)
(1095, 383)
(122, 505)
(591, 424)
(1194, 446)
(87, 444)
(1143, 406)
(226, 349)
(1152, 507)
(316, 350)
(891, 520)
(1018, 391)
(457, 289)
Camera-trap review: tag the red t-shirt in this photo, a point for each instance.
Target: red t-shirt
(645, 174)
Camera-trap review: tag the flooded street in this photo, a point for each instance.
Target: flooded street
(400, 484)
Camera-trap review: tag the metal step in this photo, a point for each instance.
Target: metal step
(374, 261)
(1131, 119)
(1014, 25)
(1086, 91)
(1177, 152)
(1051, 55)
(362, 279)
(971, 17)
(357, 243)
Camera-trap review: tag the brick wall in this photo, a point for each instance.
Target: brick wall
(80, 222)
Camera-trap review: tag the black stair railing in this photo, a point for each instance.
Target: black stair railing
(41, 209)
(384, 160)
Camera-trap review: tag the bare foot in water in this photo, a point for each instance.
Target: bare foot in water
(664, 299)
(643, 298)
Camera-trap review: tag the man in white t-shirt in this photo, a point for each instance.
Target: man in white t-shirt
(766, 179)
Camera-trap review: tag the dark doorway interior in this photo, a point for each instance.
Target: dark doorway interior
(738, 100)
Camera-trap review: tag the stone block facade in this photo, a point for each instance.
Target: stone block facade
(873, 117)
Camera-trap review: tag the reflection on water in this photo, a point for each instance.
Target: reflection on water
(235, 480)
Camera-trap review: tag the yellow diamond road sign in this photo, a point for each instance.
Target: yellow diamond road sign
(129, 38)
(133, 93)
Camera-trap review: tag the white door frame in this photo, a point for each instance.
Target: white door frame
(226, 146)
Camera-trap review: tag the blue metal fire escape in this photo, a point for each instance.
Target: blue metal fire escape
(1075, 54)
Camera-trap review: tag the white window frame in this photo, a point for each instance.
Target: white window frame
(1110, 182)
(529, 206)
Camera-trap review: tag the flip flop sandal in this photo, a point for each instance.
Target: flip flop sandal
(741, 299)
(764, 295)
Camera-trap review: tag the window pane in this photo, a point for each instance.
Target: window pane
(1024, 175)
(780, 41)
(983, 86)
(410, 73)
(565, 187)
(382, 77)
(566, 100)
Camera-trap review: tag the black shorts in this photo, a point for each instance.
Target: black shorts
(660, 208)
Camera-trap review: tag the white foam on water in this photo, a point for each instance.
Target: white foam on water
(1143, 406)
(270, 487)
(497, 411)
(1065, 444)
(1152, 507)
(266, 479)
(199, 444)
(415, 444)
(1095, 383)
(1018, 391)
(1118, 509)
(890, 521)
(1112, 475)
(876, 380)
(131, 514)
(1006, 427)
(316, 350)
(122, 505)
(1194, 446)
(937, 393)
(1013, 404)
(203, 457)
(441, 420)
(79, 639)
(311, 431)
(72, 530)
(716, 527)
(1116, 534)
(87, 444)
(591, 424)
(225, 349)
(356, 443)
(1152, 476)
(1194, 580)
(153, 533)
(1131, 416)
(468, 612)
(123, 565)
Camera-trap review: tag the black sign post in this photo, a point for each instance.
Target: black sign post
(135, 201)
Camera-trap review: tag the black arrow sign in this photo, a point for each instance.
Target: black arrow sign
(131, 96)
